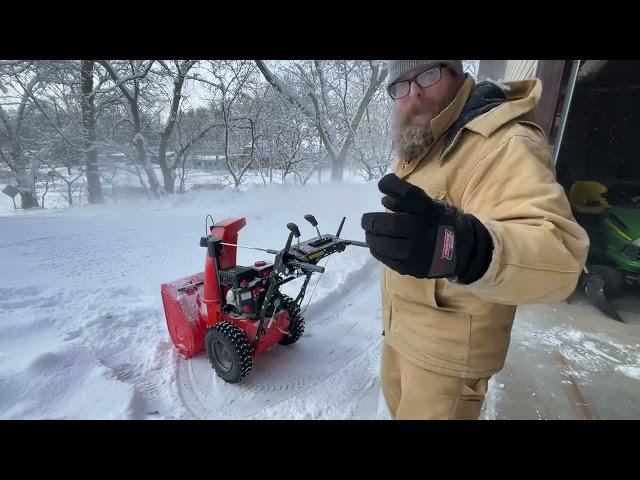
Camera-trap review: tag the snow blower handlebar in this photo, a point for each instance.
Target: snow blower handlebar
(306, 266)
(308, 253)
(357, 243)
(303, 255)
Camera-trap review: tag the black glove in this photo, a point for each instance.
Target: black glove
(426, 238)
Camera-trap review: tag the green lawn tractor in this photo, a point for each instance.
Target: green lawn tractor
(611, 216)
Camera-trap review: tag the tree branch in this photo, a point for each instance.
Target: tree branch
(375, 81)
(277, 84)
(119, 82)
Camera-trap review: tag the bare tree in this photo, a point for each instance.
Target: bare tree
(178, 74)
(114, 132)
(260, 107)
(287, 137)
(133, 73)
(186, 141)
(67, 126)
(471, 67)
(232, 81)
(51, 93)
(322, 89)
(372, 147)
(24, 171)
(89, 132)
(62, 139)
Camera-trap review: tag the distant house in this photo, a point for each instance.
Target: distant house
(206, 162)
(111, 154)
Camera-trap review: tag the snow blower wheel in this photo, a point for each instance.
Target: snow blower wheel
(296, 328)
(229, 352)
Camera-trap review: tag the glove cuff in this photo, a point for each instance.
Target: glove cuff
(480, 255)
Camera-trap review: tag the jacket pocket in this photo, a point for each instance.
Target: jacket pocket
(474, 389)
(450, 297)
(440, 334)
(472, 394)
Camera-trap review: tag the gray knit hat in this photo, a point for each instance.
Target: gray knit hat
(398, 68)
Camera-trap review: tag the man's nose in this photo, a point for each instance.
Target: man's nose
(415, 90)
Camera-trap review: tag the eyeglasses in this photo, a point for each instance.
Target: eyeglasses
(424, 79)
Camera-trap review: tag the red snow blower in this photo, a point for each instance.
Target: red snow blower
(236, 313)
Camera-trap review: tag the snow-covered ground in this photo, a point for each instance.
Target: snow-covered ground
(127, 185)
(83, 334)
(82, 329)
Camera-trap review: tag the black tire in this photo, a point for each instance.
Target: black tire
(613, 279)
(296, 329)
(229, 352)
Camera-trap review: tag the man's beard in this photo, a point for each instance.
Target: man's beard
(411, 141)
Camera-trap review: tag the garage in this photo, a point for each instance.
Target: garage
(584, 353)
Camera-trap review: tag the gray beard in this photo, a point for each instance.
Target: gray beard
(411, 142)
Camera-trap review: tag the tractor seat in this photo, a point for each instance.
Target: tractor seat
(586, 197)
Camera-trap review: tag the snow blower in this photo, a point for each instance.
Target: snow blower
(236, 312)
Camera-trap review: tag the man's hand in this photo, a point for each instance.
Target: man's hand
(426, 238)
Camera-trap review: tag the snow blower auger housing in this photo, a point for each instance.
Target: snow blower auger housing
(234, 312)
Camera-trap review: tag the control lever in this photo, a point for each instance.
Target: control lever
(340, 227)
(312, 220)
(293, 228)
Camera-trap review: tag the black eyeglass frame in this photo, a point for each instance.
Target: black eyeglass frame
(409, 81)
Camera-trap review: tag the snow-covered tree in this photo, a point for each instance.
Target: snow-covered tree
(130, 77)
(177, 72)
(330, 94)
(15, 108)
(230, 82)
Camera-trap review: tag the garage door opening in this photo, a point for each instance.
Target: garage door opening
(597, 164)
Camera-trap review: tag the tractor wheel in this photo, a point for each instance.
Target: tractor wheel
(229, 352)
(613, 279)
(297, 321)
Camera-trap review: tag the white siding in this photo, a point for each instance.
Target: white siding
(520, 70)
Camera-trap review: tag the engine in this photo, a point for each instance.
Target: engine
(245, 288)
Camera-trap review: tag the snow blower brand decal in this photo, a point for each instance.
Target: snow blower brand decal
(447, 245)
(315, 255)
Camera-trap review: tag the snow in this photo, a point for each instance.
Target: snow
(56, 196)
(632, 371)
(83, 334)
(587, 365)
(82, 329)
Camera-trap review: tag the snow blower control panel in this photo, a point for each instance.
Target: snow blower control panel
(305, 255)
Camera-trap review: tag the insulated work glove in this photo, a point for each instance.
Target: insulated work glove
(426, 238)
